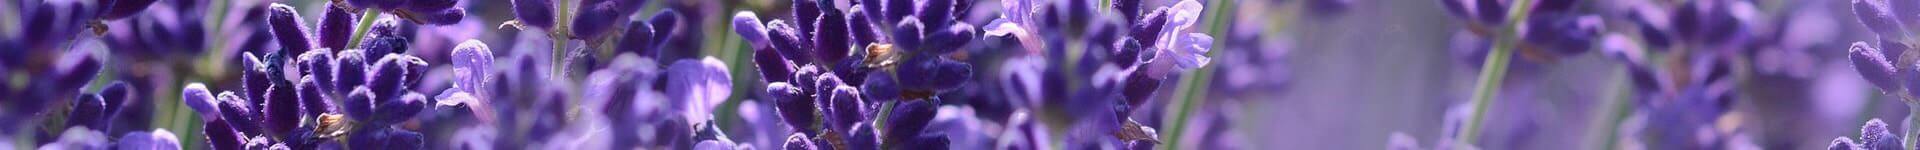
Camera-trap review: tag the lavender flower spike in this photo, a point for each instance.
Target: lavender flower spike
(1873, 66)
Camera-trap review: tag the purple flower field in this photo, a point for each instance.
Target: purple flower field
(960, 74)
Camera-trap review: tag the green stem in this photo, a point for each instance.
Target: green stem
(1492, 72)
(1908, 134)
(360, 31)
(558, 36)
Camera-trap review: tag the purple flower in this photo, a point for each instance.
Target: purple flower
(538, 13)
(289, 29)
(158, 139)
(1872, 65)
(1875, 135)
(702, 84)
(472, 65)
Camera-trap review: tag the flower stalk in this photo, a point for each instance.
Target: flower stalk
(360, 31)
(1493, 71)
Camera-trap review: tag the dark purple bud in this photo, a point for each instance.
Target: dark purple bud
(1563, 33)
(416, 70)
(899, 10)
(664, 24)
(950, 39)
(289, 29)
(1879, 17)
(808, 12)
(594, 20)
(384, 38)
(378, 4)
(786, 39)
(908, 35)
(388, 77)
(638, 39)
(748, 26)
(908, 119)
(237, 112)
(319, 65)
(336, 26)
(846, 107)
(1875, 135)
(938, 13)
(430, 5)
(806, 78)
(54, 22)
(255, 79)
(854, 69)
(88, 110)
(76, 68)
(860, 22)
(1491, 11)
(349, 70)
(863, 137)
(222, 135)
(537, 13)
(798, 141)
(440, 17)
(933, 74)
(794, 107)
(1843, 143)
(398, 110)
(830, 37)
(773, 68)
(1139, 88)
(282, 112)
(313, 98)
(359, 104)
(881, 87)
(196, 96)
(117, 98)
(1875, 68)
(117, 9)
(1127, 52)
(1149, 28)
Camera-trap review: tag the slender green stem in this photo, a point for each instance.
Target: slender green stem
(1907, 137)
(558, 35)
(360, 31)
(1492, 72)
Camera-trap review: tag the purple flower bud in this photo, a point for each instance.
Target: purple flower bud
(222, 135)
(196, 96)
(863, 137)
(880, 87)
(950, 39)
(237, 112)
(52, 23)
(388, 77)
(282, 111)
(441, 17)
(786, 39)
(314, 97)
(537, 13)
(830, 38)
(158, 139)
(846, 107)
(666, 25)
(1875, 68)
(254, 78)
(908, 118)
(805, 79)
(595, 19)
(929, 73)
(359, 104)
(900, 10)
(1147, 30)
(319, 65)
(88, 110)
(908, 35)
(1875, 135)
(398, 110)
(1139, 88)
(860, 22)
(384, 38)
(289, 29)
(349, 70)
(808, 12)
(385, 138)
(773, 68)
(748, 26)
(76, 68)
(1843, 143)
(938, 13)
(1879, 17)
(432, 6)
(638, 39)
(794, 107)
(336, 26)
(1563, 33)
(378, 4)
